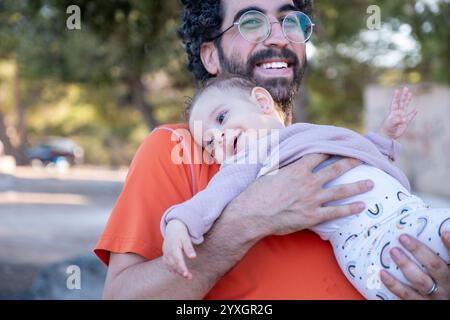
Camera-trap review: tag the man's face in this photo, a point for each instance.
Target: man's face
(261, 61)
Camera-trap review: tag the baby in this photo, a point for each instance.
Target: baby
(239, 119)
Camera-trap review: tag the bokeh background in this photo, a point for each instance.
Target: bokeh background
(106, 86)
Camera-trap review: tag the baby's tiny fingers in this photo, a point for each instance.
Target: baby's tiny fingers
(408, 100)
(404, 98)
(189, 249)
(396, 100)
(181, 264)
(169, 264)
(410, 116)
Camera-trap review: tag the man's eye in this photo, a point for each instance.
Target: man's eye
(252, 23)
(221, 117)
(291, 22)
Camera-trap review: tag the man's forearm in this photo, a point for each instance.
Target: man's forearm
(226, 243)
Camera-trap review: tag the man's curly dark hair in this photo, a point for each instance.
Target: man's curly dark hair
(201, 21)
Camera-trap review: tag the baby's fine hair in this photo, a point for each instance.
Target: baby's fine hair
(223, 82)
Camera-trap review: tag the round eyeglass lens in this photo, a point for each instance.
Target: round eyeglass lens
(254, 26)
(297, 27)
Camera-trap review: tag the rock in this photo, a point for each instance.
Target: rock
(54, 281)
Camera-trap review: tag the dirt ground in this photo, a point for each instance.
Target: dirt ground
(47, 217)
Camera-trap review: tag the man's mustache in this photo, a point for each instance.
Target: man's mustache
(267, 54)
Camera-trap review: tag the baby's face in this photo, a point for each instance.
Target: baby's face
(222, 120)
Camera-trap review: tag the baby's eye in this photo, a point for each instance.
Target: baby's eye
(221, 117)
(210, 141)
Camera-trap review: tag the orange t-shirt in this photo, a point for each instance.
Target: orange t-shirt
(295, 266)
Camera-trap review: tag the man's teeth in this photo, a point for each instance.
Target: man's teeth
(275, 65)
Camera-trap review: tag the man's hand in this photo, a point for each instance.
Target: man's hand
(294, 198)
(177, 243)
(399, 117)
(438, 271)
(290, 201)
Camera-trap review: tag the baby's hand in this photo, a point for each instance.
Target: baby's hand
(176, 241)
(396, 123)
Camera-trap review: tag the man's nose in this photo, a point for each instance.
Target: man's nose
(276, 37)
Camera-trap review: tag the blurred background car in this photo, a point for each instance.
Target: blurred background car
(55, 150)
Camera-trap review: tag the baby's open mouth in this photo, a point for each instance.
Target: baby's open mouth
(235, 143)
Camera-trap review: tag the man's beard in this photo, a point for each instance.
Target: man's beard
(283, 90)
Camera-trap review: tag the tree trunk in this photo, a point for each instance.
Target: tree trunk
(4, 138)
(17, 150)
(301, 101)
(21, 108)
(138, 91)
(8, 147)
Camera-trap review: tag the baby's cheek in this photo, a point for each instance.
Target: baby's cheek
(219, 155)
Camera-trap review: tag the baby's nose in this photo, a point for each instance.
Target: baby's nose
(221, 138)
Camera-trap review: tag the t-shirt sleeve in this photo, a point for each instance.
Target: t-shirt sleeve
(153, 184)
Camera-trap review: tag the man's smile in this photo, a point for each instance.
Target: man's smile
(278, 67)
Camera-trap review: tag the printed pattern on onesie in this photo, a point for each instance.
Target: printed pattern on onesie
(363, 251)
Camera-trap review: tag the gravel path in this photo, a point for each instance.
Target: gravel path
(49, 218)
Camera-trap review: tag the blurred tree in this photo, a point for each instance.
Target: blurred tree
(24, 94)
(348, 56)
(122, 44)
(430, 27)
(118, 43)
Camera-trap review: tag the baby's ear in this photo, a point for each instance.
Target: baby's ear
(264, 99)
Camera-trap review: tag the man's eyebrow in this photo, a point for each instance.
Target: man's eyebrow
(242, 11)
(287, 7)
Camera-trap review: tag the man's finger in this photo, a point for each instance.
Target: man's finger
(344, 191)
(399, 289)
(336, 169)
(435, 266)
(419, 280)
(330, 213)
(310, 161)
(446, 239)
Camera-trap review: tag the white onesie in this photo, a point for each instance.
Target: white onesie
(361, 243)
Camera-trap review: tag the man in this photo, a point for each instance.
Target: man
(258, 249)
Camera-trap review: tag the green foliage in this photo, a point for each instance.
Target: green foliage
(339, 72)
(87, 74)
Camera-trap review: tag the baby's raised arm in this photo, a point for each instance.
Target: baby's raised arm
(399, 117)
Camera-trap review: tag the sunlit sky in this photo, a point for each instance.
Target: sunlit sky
(386, 47)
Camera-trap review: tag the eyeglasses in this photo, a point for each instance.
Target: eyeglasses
(255, 27)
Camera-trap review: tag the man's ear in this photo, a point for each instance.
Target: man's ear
(210, 57)
(264, 99)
